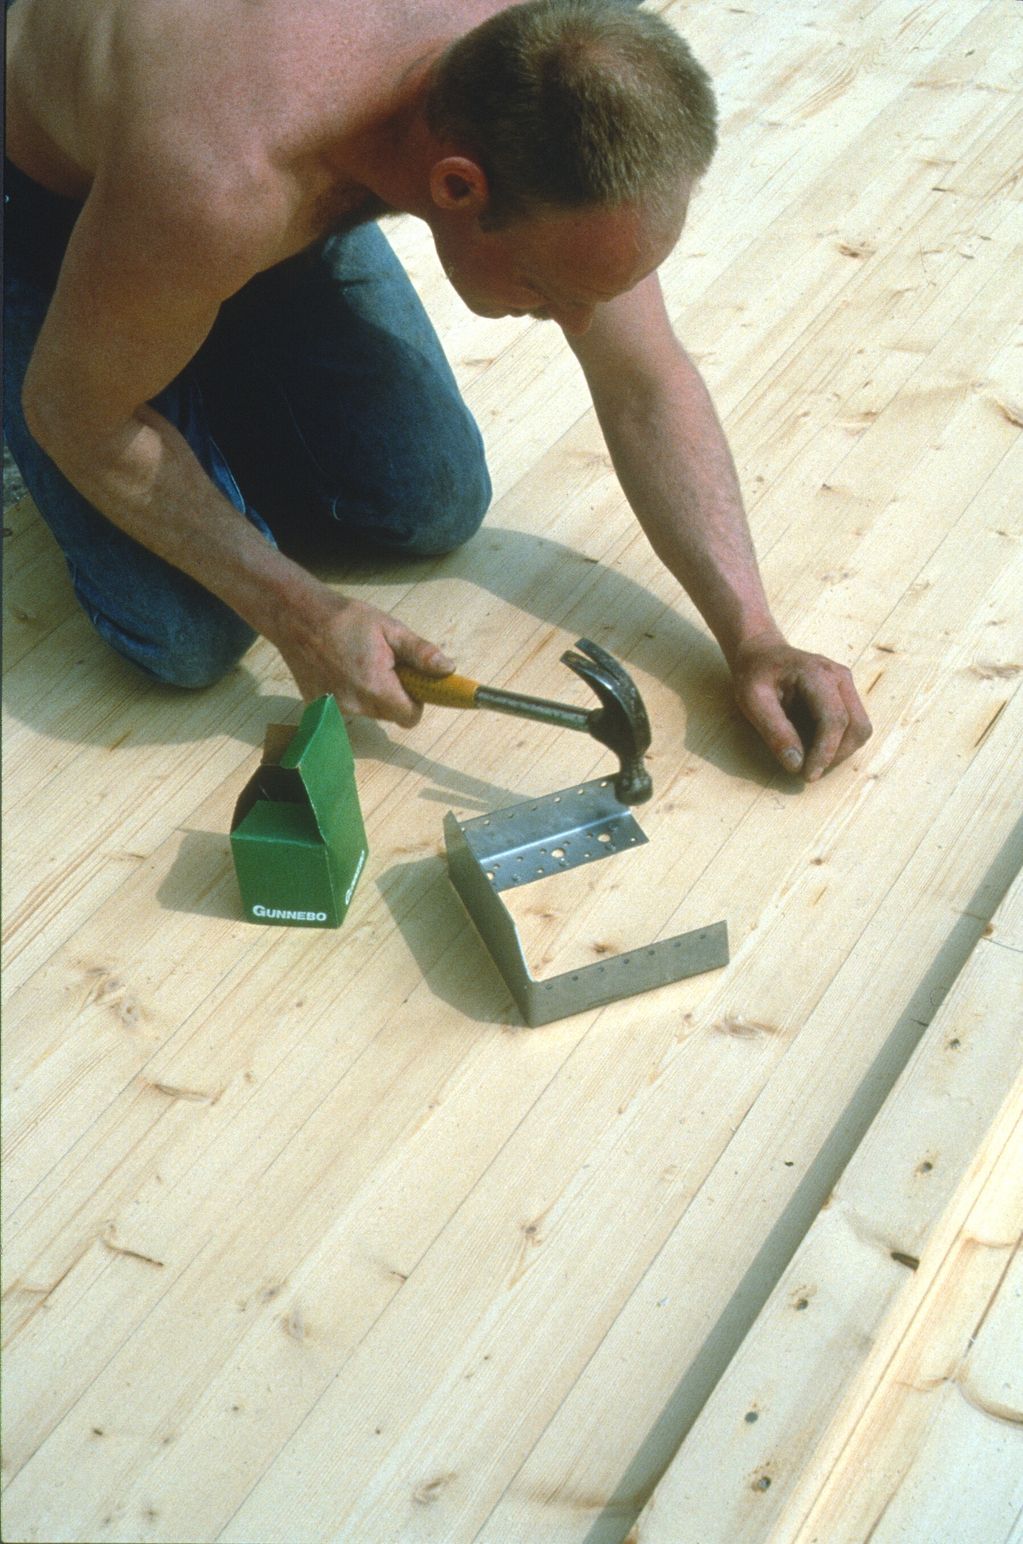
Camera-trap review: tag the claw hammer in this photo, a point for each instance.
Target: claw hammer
(620, 722)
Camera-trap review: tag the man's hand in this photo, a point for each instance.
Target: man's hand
(349, 649)
(783, 691)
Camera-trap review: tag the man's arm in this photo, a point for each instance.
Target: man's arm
(676, 470)
(139, 290)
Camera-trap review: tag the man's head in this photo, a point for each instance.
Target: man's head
(569, 104)
(558, 266)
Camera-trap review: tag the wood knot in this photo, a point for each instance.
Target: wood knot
(294, 1326)
(429, 1491)
(743, 1029)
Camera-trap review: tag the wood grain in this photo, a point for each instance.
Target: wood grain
(306, 1237)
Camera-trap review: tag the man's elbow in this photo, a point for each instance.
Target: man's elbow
(33, 410)
(60, 431)
(45, 420)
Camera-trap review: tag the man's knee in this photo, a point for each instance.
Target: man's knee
(192, 647)
(450, 506)
(430, 495)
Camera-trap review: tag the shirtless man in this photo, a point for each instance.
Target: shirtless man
(199, 295)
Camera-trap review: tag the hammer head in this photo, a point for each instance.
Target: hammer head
(621, 723)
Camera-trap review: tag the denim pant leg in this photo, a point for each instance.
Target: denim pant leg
(330, 393)
(148, 611)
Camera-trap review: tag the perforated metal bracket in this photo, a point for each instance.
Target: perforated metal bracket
(530, 841)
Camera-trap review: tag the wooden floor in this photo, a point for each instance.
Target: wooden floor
(307, 1237)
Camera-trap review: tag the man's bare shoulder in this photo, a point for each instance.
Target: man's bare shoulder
(222, 126)
(238, 79)
(264, 71)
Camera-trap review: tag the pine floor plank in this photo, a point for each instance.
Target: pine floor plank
(189, 1109)
(322, 1243)
(518, 1328)
(833, 1337)
(174, 1222)
(655, 1356)
(943, 1427)
(35, 601)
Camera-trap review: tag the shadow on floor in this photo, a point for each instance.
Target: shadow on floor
(452, 958)
(429, 916)
(617, 612)
(201, 880)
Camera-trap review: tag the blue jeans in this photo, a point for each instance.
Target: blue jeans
(321, 399)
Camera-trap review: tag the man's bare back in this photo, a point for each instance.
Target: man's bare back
(291, 93)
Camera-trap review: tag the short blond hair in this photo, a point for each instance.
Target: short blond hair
(568, 103)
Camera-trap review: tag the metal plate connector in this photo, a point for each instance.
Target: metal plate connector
(548, 836)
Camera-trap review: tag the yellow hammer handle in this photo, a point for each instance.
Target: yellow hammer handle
(450, 691)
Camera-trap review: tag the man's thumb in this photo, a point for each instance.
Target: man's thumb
(421, 654)
(764, 710)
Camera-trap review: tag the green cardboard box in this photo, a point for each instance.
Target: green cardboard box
(297, 836)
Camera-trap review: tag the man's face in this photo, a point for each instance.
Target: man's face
(558, 266)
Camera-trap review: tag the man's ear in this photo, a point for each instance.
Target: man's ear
(459, 185)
